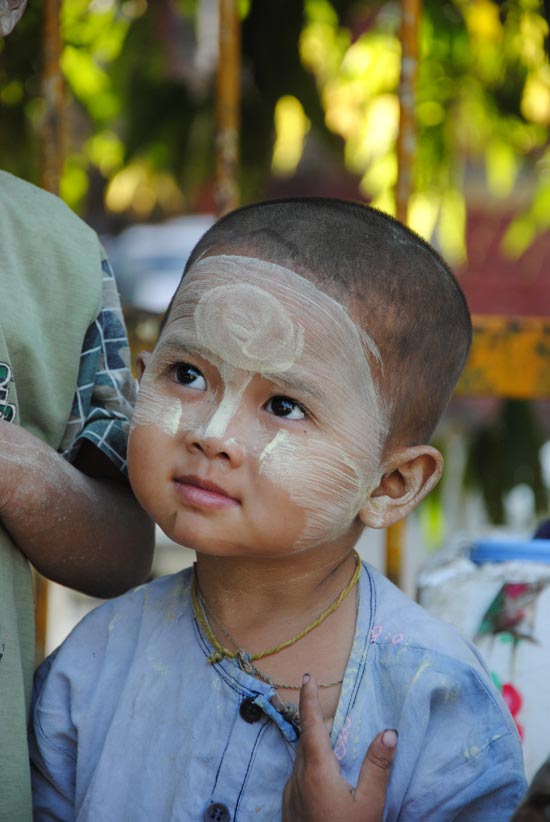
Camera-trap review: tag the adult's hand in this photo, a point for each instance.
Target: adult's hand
(317, 790)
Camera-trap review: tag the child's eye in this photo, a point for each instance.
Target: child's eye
(285, 407)
(187, 374)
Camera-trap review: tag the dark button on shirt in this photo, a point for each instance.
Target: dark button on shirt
(249, 711)
(217, 812)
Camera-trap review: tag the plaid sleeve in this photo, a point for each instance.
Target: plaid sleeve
(105, 393)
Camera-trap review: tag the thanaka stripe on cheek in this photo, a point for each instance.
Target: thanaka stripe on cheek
(152, 409)
(321, 479)
(280, 438)
(170, 422)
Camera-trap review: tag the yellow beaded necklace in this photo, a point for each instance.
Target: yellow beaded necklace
(245, 660)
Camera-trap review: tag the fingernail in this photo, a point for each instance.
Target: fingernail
(389, 738)
(305, 679)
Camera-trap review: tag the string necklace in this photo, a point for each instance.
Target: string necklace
(244, 660)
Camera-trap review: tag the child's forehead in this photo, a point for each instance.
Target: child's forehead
(270, 293)
(290, 288)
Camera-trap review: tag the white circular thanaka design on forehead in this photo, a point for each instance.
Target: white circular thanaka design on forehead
(256, 332)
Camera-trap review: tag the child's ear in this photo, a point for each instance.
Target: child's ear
(409, 475)
(142, 361)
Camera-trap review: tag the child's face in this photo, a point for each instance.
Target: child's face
(258, 428)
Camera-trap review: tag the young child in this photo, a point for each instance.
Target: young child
(303, 364)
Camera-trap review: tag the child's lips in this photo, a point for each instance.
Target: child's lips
(201, 493)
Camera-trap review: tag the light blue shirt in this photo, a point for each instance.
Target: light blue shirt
(131, 723)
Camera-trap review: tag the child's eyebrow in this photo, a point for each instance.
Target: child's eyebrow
(176, 342)
(296, 385)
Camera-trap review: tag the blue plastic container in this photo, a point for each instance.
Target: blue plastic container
(492, 550)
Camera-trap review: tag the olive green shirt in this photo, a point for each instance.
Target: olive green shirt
(50, 292)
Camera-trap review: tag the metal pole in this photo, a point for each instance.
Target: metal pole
(228, 108)
(406, 146)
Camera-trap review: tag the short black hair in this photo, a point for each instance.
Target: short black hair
(395, 284)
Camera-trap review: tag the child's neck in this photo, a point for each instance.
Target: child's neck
(251, 589)
(258, 605)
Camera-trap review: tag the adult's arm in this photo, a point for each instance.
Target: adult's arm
(78, 524)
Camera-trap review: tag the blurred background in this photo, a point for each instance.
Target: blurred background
(150, 118)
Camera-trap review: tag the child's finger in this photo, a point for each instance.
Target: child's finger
(314, 738)
(375, 771)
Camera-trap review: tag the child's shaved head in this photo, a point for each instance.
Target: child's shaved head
(394, 284)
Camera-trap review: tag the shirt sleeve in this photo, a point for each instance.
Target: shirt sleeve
(106, 389)
(468, 763)
(53, 765)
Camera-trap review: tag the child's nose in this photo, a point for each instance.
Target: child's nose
(226, 448)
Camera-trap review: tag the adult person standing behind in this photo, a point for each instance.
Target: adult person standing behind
(66, 394)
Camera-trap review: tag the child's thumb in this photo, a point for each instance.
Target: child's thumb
(375, 771)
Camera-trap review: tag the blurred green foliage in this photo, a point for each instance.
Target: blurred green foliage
(505, 453)
(140, 79)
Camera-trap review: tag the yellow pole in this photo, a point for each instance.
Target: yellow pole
(52, 137)
(406, 146)
(228, 108)
(411, 11)
(51, 159)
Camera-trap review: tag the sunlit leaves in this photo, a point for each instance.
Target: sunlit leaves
(535, 101)
(93, 35)
(100, 26)
(323, 46)
(375, 133)
(322, 68)
(11, 93)
(501, 166)
(138, 188)
(451, 228)
(106, 151)
(536, 219)
(358, 85)
(423, 212)
(74, 180)
(291, 127)
(483, 98)
(483, 22)
(430, 113)
(380, 176)
(89, 82)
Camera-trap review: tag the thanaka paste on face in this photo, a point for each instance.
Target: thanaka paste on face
(234, 387)
(247, 316)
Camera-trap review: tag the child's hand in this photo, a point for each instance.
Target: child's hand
(317, 790)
